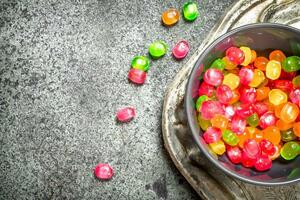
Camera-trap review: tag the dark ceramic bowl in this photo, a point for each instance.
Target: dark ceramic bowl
(264, 38)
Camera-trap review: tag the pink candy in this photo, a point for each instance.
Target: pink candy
(181, 49)
(238, 124)
(212, 135)
(260, 108)
(213, 77)
(229, 111)
(126, 114)
(235, 55)
(206, 89)
(244, 110)
(210, 108)
(103, 171)
(263, 163)
(295, 96)
(246, 76)
(234, 154)
(137, 76)
(267, 119)
(224, 94)
(248, 95)
(252, 148)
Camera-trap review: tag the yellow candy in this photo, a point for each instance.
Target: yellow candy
(248, 55)
(228, 64)
(231, 80)
(218, 147)
(277, 97)
(258, 78)
(273, 69)
(289, 112)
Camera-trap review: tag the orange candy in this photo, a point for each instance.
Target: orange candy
(170, 17)
(271, 107)
(289, 112)
(272, 133)
(243, 137)
(278, 110)
(296, 129)
(253, 56)
(277, 55)
(235, 97)
(282, 125)
(261, 63)
(219, 121)
(262, 93)
(277, 152)
(255, 133)
(228, 64)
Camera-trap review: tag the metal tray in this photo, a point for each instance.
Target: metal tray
(207, 180)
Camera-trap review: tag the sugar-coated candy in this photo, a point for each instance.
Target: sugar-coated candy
(206, 89)
(261, 63)
(224, 94)
(248, 160)
(244, 110)
(296, 81)
(246, 75)
(238, 124)
(213, 77)
(204, 124)
(291, 64)
(210, 108)
(255, 133)
(296, 129)
(158, 49)
(273, 69)
(234, 154)
(284, 85)
(289, 112)
(235, 96)
(277, 97)
(137, 76)
(126, 114)
(272, 133)
(200, 100)
(229, 65)
(283, 126)
(253, 120)
(103, 171)
(267, 119)
(141, 63)
(263, 163)
(231, 80)
(218, 147)
(260, 108)
(267, 147)
(295, 96)
(218, 64)
(248, 95)
(243, 137)
(288, 135)
(229, 111)
(230, 137)
(253, 56)
(190, 11)
(247, 54)
(170, 17)
(212, 135)
(262, 93)
(258, 78)
(181, 49)
(235, 55)
(252, 148)
(290, 150)
(219, 121)
(277, 55)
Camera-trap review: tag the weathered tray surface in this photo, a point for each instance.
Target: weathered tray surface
(208, 181)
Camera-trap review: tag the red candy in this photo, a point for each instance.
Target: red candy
(260, 108)
(295, 96)
(267, 147)
(212, 135)
(235, 55)
(213, 77)
(247, 160)
(126, 114)
(224, 94)
(287, 75)
(252, 148)
(246, 75)
(238, 124)
(234, 154)
(210, 108)
(245, 110)
(206, 89)
(284, 85)
(267, 119)
(248, 95)
(181, 49)
(103, 171)
(263, 163)
(137, 76)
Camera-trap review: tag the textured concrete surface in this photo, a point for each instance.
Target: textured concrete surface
(63, 74)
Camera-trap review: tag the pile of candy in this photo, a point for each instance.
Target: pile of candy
(249, 107)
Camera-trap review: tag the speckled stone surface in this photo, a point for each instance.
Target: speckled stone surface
(63, 75)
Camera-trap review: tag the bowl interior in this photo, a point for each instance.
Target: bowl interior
(263, 38)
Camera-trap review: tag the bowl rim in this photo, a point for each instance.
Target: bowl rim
(188, 98)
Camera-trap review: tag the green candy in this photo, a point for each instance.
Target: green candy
(158, 49)
(218, 64)
(291, 64)
(288, 135)
(253, 120)
(204, 124)
(141, 63)
(230, 137)
(190, 11)
(200, 100)
(290, 150)
(296, 81)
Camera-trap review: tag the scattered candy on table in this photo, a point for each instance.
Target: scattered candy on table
(103, 171)
(170, 17)
(125, 114)
(248, 107)
(158, 49)
(181, 49)
(141, 63)
(190, 11)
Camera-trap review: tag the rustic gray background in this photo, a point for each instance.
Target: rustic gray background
(63, 75)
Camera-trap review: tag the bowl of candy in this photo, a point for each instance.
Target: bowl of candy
(242, 103)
